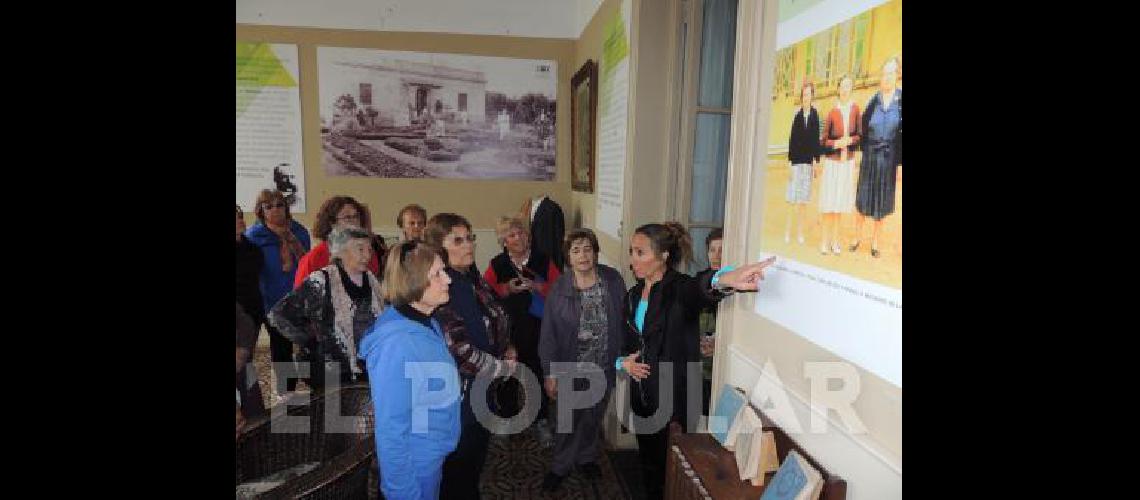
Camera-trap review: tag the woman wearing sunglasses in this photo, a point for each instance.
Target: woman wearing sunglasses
(477, 328)
(336, 212)
(283, 241)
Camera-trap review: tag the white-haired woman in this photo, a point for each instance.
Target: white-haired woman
(329, 313)
(882, 155)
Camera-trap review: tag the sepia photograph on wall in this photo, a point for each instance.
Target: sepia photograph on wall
(398, 114)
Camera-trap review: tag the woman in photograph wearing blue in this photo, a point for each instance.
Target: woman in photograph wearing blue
(882, 155)
(415, 384)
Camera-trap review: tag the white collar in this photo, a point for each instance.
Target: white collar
(887, 102)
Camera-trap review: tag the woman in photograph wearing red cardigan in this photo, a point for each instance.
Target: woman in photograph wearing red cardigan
(842, 134)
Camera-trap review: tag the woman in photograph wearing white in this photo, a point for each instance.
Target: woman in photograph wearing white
(841, 139)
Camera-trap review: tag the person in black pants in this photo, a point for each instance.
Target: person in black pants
(478, 335)
(248, 262)
(521, 277)
(282, 242)
(663, 311)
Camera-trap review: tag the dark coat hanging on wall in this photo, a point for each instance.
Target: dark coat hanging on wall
(547, 229)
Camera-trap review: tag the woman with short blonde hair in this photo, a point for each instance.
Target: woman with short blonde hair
(406, 355)
(521, 276)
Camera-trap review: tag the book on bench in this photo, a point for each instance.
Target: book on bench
(729, 404)
(796, 480)
(755, 448)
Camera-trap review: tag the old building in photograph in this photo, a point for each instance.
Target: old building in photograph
(405, 92)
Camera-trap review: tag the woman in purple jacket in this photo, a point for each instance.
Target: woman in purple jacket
(582, 333)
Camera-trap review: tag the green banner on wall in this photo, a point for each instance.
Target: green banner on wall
(616, 46)
(791, 8)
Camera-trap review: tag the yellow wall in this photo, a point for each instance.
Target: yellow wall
(652, 112)
(589, 46)
(479, 200)
(884, 40)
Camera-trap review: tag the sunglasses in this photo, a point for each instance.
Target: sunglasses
(458, 240)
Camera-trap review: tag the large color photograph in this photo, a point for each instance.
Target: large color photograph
(833, 187)
(831, 208)
(422, 115)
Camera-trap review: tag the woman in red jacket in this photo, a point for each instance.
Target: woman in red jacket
(521, 276)
(338, 211)
(842, 136)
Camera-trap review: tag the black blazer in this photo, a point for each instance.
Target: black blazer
(803, 142)
(547, 230)
(671, 334)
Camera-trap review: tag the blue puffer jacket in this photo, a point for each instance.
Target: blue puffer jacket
(416, 394)
(274, 282)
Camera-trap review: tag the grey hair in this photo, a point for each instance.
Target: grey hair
(339, 238)
(892, 59)
(504, 226)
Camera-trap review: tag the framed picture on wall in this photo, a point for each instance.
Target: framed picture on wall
(583, 115)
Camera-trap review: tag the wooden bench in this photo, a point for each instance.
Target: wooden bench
(714, 474)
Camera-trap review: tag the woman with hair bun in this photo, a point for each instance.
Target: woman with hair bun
(663, 312)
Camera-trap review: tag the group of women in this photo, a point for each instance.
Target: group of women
(875, 131)
(422, 326)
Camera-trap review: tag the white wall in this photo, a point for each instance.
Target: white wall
(819, 17)
(529, 18)
(871, 472)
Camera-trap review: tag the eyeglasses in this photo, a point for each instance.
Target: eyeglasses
(270, 206)
(349, 217)
(458, 240)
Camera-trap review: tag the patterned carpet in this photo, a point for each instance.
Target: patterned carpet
(516, 464)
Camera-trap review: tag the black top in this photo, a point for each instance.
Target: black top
(547, 229)
(803, 142)
(248, 263)
(671, 334)
(411, 313)
(538, 264)
(356, 293)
